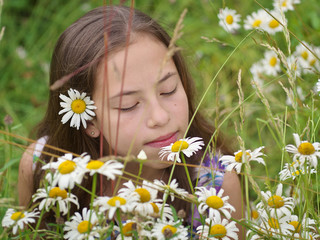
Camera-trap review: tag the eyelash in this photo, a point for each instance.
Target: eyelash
(169, 93)
(131, 108)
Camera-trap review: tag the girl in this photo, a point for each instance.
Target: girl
(116, 55)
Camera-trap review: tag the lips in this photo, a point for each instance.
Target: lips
(163, 141)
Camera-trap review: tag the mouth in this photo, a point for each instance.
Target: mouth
(163, 141)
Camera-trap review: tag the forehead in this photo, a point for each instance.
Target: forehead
(143, 61)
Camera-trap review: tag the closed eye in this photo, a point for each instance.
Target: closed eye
(128, 108)
(169, 93)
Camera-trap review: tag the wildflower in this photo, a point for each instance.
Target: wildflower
(142, 155)
(78, 107)
(110, 169)
(147, 193)
(302, 225)
(170, 189)
(294, 66)
(237, 160)
(163, 230)
(217, 228)
(285, 5)
(165, 209)
(304, 150)
(294, 170)
(82, 226)
(276, 225)
(111, 204)
(214, 202)
(277, 204)
(187, 146)
(51, 196)
(271, 24)
(129, 231)
(17, 219)
(68, 171)
(255, 20)
(229, 19)
(271, 63)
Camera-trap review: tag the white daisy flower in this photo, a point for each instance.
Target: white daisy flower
(214, 202)
(163, 230)
(229, 19)
(275, 225)
(236, 161)
(82, 226)
(304, 150)
(318, 86)
(285, 5)
(78, 107)
(164, 209)
(172, 189)
(18, 220)
(111, 204)
(277, 204)
(271, 25)
(271, 63)
(219, 229)
(187, 146)
(110, 169)
(68, 171)
(294, 170)
(255, 20)
(301, 226)
(51, 196)
(131, 229)
(147, 193)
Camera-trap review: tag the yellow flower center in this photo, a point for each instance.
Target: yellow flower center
(57, 192)
(127, 229)
(112, 201)
(284, 3)
(67, 167)
(84, 227)
(155, 207)
(169, 229)
(218, 231)
(305, 55)
(276, 201)
(255, 214)
(273, 61)
(296, 225)
(229, 19)
(144, 194)
(312, 62)
(306, 148)
(179, 145)
(273, 223)
(296, 173)
(238, 156)
(17, 216)
(94, 164)
(256, 23)
(78, 106)
(273, 23)
(214, 202)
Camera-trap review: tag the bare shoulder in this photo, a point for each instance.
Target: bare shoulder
(25, 180)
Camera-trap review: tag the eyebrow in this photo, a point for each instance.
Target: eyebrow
(128, 93)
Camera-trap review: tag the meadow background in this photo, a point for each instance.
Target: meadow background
(33, 26)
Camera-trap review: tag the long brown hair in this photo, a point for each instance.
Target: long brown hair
(78, 53)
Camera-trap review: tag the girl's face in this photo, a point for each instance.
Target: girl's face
(151, 111)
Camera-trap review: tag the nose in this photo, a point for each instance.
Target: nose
(157, 115)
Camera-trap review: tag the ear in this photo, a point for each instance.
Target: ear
(92, 130)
